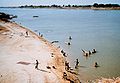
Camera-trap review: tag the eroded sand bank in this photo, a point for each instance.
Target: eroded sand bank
(18, 55)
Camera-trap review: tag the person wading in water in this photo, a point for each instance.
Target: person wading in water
(77, 63)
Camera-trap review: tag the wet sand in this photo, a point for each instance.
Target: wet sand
(18, 54)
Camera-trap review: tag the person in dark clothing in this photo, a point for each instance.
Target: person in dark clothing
(64, 75)
(90, 53)
(67, 67)
(64, 54)
(96, 65)
(27, 33)
(36, 64)
(77, 63)
(70, 38)
(94, 51)
(69, 43)
(62, 51)
(39, 33)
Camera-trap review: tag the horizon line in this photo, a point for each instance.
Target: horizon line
(59, 5)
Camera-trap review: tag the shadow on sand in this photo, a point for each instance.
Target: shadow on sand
(23, 63)
(43, 70)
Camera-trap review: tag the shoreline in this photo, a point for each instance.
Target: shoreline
(74, 8)
(20, 51)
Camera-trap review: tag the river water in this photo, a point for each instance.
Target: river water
(99, 29)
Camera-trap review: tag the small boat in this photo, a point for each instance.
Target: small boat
(35, 16)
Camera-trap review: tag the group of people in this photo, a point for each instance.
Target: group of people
(70, 38)
(69, 42)
(64, 53)
(41, 35)
(27, 34)
(67, 66)
(88, 53)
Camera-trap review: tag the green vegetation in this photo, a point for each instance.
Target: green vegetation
(6, 17)
(96, 5)
(69, 6)
(105, 5)
(55, 6)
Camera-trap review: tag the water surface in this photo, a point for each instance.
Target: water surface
(89, 29)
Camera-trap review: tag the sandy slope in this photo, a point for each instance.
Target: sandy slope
(18, 55)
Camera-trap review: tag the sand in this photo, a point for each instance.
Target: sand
(19, 52)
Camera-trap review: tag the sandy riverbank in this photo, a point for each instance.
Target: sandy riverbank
(18, 55)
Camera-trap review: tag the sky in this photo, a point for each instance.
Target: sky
(4, 3)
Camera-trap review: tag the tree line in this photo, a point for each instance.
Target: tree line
(70, 6)
(55, 6)
(105, 5)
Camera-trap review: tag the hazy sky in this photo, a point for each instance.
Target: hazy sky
(50, 2)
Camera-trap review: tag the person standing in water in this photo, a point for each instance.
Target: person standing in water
(77, 63)
(96, 65)
(70, 38)
(39, 33)
(94, 51)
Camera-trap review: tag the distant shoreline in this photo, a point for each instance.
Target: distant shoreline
(95, 6)
(79, 8)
